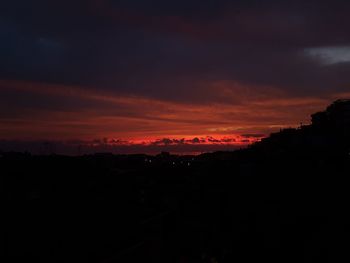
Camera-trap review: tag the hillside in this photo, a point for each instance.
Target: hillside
(283, 199)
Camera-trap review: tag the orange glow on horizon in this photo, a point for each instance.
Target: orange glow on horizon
(87, 114)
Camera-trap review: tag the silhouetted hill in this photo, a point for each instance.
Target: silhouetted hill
(284, 199)
(329, 130)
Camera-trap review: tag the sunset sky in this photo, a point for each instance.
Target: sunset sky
(184, 76)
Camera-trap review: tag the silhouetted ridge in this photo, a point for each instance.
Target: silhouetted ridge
(283, 199)
(336, 117)
(329, 130)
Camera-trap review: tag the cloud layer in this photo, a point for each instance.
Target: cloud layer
(149, 70)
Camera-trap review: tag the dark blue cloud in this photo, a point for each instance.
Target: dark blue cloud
(168, 49)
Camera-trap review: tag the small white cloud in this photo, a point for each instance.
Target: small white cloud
(330, 55)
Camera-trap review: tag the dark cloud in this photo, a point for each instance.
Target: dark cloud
(228, 140)
(198, 67)
(169, 49)
(167, 141)
(253, 135)
(195, 140)
(78, 147)
(213, 140)
(208, 140)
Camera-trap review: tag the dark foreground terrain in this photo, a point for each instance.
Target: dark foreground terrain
(284, 199)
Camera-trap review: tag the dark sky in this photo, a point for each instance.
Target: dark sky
(139, 72)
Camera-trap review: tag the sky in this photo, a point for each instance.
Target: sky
(184, 76)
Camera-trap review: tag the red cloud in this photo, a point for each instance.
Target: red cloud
(128, 121)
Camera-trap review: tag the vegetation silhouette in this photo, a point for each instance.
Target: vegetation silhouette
(284, 199)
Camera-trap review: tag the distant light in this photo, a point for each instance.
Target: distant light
(188, 164)
(330, 55)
